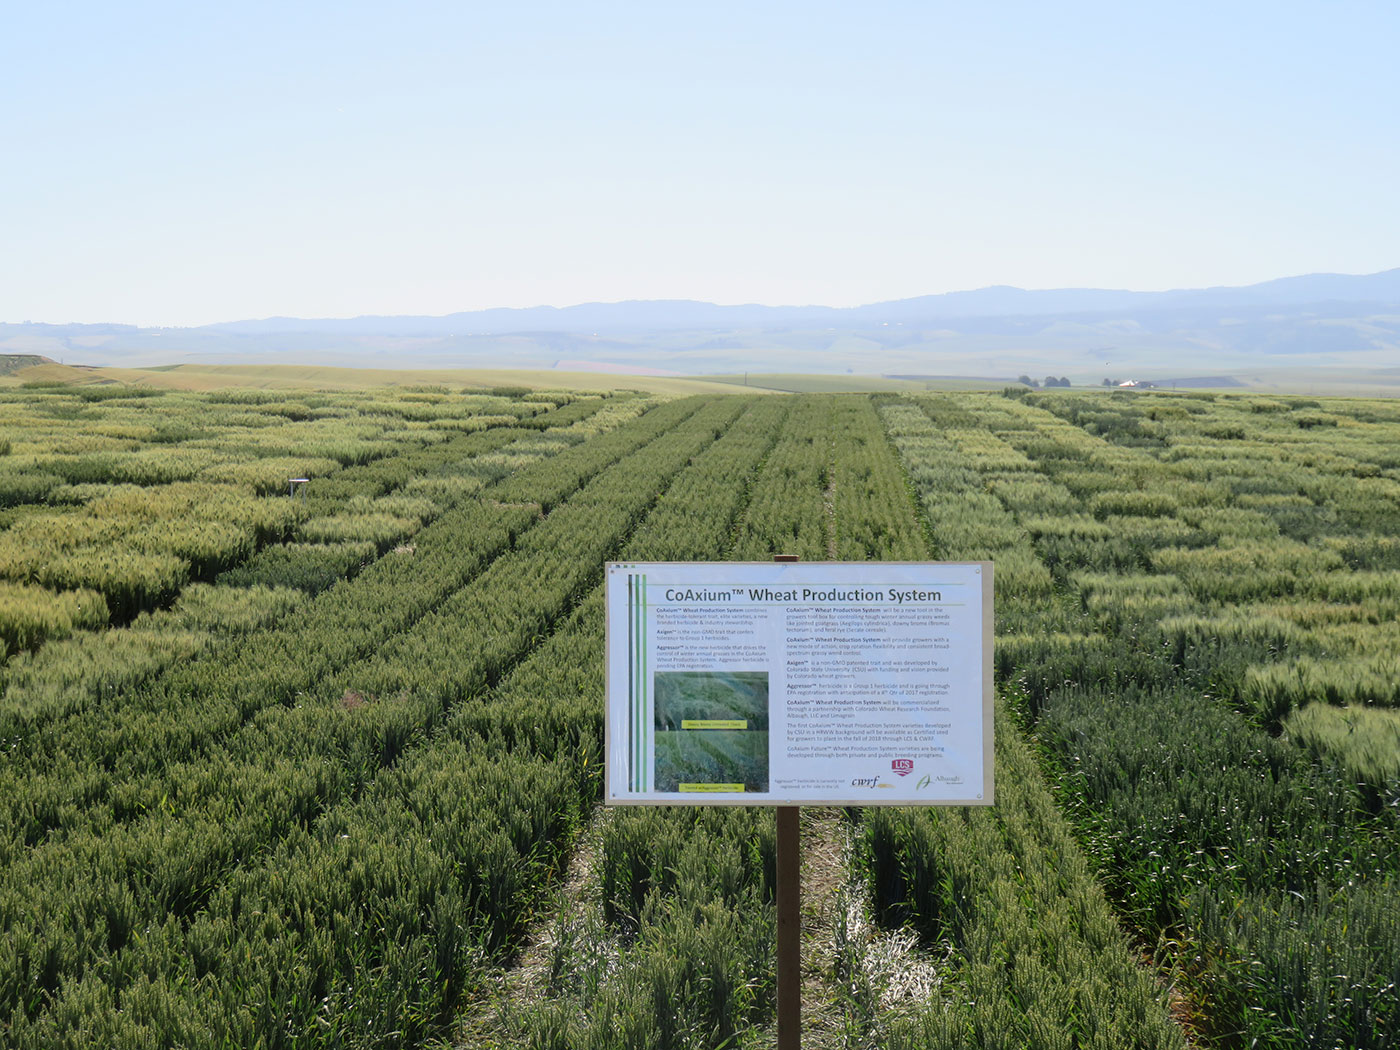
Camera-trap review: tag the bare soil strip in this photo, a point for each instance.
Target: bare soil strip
(829, 501)
(825, 871)
(525, 980)
(825, 874)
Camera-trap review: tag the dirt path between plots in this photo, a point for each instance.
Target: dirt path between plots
(525, 979)
(825, 872)
(829, 503)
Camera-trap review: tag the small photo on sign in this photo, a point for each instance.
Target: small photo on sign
(711, 731)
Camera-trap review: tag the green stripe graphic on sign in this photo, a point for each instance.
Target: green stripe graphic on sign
(644, 721)
(637, 677)
(634, 671)
(637, 680)
(641, 683)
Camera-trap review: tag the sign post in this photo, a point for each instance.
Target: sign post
(789, 894)
(789, 954)
(786, 683)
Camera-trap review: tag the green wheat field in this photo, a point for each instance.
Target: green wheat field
(318, 764)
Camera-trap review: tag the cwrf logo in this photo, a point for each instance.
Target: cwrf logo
(902, 766)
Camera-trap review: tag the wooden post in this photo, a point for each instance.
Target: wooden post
(789, 891)
(789, 928)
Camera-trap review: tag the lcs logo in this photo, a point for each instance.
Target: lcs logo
(902, 766)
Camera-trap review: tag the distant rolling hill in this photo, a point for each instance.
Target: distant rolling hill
(11, 363)
(1336, 322)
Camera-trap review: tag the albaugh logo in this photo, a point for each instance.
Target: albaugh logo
(902, 766)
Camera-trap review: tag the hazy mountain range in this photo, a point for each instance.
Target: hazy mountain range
(1317, 320)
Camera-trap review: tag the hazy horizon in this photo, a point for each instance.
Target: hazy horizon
(693, 301)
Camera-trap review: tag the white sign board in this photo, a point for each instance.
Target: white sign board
(785, 683)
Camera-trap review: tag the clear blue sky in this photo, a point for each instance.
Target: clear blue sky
(183, 163)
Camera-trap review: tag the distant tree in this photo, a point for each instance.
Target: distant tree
(1027, 381)
(1052, 381)
(1109, 382)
